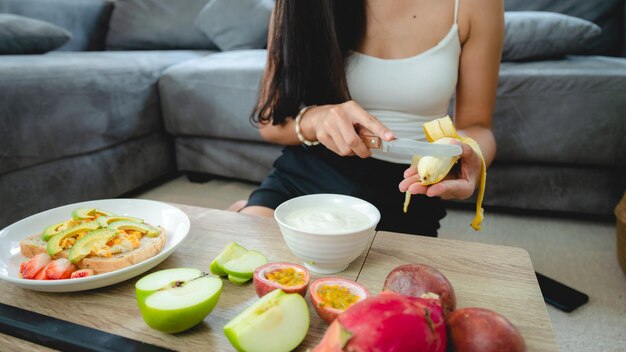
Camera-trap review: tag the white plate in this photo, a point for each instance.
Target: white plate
(175, 222)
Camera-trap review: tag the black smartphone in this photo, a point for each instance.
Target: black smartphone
(557, 294)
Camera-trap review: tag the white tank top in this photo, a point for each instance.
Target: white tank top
(405, 93)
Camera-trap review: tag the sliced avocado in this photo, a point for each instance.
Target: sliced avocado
(88, 213)
(54, 243)
(102, 212)
(131, 225)
(85, 245)
(84, 213)
(51, 230)
(106, 220)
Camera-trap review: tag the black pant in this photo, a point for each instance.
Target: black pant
(302, 170)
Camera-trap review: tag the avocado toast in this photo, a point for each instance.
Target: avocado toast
(97, 240)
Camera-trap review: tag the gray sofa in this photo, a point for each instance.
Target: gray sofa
(80, 122)
(98, 117)
(560, 125)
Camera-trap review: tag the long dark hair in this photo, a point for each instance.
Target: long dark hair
(310, 42)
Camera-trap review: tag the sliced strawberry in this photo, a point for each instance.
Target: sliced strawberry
(60, 269)
(42, 274)
(32, 267)
(81, 273)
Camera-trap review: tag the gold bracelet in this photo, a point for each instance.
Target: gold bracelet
(299, 131)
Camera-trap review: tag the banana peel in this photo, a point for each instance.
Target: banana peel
(407, 195)
(478, 219)
(433, 169)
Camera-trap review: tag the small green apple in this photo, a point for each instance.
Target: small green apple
(237, 280)
(174, 300)
(277, 322)
(244, 266)
(231, 252)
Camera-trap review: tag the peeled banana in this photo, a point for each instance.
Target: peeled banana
(434, 169)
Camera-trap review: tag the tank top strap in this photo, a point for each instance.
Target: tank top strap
(456, 11)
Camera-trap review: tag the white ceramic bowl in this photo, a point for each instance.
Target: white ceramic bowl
(175, 222)
(318, 239)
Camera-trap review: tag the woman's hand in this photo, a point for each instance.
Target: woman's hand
(337, 127)
(457, 185)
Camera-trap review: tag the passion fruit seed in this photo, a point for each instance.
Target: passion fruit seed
(336, 296)
(286, 277)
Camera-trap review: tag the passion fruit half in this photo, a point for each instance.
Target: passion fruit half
(417, 280)
(291, 278)
(332, 295)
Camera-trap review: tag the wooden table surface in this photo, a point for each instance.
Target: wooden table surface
(494, 277)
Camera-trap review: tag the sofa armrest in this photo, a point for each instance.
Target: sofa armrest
(87, 20)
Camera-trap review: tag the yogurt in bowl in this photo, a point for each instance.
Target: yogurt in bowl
(330, 220)
(327, 231)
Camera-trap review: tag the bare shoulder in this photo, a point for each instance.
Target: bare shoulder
(482, 6)
(483, 11)
(479, 17)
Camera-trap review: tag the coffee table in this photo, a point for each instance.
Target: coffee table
(494, 277)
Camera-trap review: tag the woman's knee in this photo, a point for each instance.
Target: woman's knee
(258, 211)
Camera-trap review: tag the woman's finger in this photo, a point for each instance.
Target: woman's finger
(407, 182)
(353, 140)
(328, 142)
(410, 172)
(468, 154)
(343, 148)
(368, 121)
(418, 188)
(451, 189)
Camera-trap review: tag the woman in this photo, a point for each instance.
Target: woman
(340, 69)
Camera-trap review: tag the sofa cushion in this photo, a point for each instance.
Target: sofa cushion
(564, 111)
(608, 14)
(23, 35)
(554, 187)
(549, 188)
(541, 35)
(87, 20)
(104, 173)
(62, 104)
(236, 24)
(561, 111)
(156, 25)
(250, 161)
(213, 96)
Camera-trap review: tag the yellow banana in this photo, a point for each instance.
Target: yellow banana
(439, 128)
(433, 130)
(434, 169)
(478, 219)
(407, 194)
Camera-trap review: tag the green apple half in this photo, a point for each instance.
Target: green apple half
(244, 266)
(237, 280)
(231, 252)
(277, 322)
(174, 300)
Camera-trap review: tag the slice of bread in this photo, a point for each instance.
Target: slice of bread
(148, 248)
